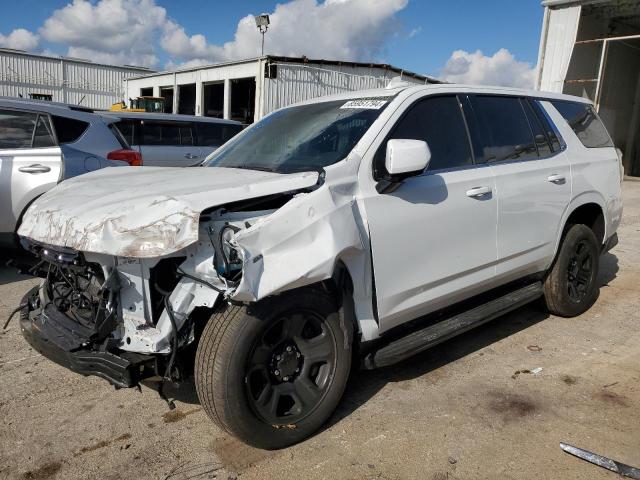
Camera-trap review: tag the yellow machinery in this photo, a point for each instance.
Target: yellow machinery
(141, 104)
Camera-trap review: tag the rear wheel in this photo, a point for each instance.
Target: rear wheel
(272, 373)
(570, 287)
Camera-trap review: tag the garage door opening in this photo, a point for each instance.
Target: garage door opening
(243, 99)
(167, 94)
(605, 68)
(146, 92)
(187, 99)
(214, 100)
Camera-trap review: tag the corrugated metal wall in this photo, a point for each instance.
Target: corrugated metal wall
(298, 82)
(68, 81)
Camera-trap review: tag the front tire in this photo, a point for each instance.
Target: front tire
(570, 288)
(272, 373)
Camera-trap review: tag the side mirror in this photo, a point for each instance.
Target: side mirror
(406, 157)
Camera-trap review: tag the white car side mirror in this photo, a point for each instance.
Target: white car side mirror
(407, 156)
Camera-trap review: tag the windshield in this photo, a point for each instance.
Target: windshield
(304, 138)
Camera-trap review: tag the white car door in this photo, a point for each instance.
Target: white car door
(433, 238)
(533, 180)
(30, 163)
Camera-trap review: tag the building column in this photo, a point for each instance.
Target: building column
(199, 96)
(156, 90)
(175, 94)
(226, 105)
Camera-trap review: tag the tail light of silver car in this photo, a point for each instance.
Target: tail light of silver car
(132, 157)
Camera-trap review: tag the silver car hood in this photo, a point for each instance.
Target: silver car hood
(144, 211)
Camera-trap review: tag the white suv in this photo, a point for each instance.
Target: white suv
(355, 228)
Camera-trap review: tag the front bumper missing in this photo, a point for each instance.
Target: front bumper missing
(69, 344)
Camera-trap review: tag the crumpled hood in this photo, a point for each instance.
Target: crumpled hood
(144, 211)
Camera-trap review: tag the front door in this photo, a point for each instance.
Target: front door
(433, 239)
(169, 144)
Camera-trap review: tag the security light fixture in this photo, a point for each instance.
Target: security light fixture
(262, 22)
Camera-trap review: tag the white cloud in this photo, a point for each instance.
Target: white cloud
(500, 69)
(336, 29)
(138, 31)
(19, 39)
(414, 32)
(114, 31)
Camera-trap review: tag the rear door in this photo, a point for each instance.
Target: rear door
(168, 144)
(533, 180)
(30, 162)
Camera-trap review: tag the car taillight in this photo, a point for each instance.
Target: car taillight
(132, 157)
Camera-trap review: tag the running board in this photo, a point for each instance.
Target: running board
(432, 335)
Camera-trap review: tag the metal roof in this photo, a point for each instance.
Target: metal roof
(73, 59)
(295, 60)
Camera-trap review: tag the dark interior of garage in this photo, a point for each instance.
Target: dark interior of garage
(167, 94)
(213, 101)
(243, 99)
(187, 99)
(146, 92)
(605, 67)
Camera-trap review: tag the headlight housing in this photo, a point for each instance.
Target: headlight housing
(231, 260)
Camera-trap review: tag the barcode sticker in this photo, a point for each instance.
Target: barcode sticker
(366, 103)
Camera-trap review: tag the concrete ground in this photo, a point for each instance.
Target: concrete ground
(459, 411)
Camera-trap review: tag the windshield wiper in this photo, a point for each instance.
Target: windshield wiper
(253, 167)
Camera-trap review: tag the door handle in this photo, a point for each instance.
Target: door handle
(478, 192)
(36, 168)
(190, 156)
(556, 178)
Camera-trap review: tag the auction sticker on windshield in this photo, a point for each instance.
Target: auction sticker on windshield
(366, 103)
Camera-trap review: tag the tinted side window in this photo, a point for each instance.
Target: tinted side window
(186, 135)
(16, 128)
(215, 134)
(504, 132)
(439, 122)
(68, 130)
(557, 142)
(43, 136)
(582, 118)
(542, 142)
(160, 133)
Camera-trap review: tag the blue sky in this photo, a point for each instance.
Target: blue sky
(418, 35)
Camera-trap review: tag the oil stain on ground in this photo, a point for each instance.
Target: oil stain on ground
(511, 406)
(102, 444)
(47, 470)
(177, 415)
(612, 398)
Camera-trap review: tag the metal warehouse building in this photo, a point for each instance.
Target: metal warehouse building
(63, 79)
(591, 48)
(246, 90)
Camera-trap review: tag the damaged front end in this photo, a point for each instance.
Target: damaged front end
(128, 319)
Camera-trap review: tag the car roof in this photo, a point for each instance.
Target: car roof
(168, 117)
(407, 89)
(54, 108)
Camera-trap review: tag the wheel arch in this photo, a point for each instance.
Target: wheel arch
(587, 209)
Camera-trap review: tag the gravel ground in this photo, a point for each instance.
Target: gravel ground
(459, 411)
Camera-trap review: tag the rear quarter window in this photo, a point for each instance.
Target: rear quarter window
(584, 122)
(68, 130)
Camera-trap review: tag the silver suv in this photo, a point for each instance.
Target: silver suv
(43, 143)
